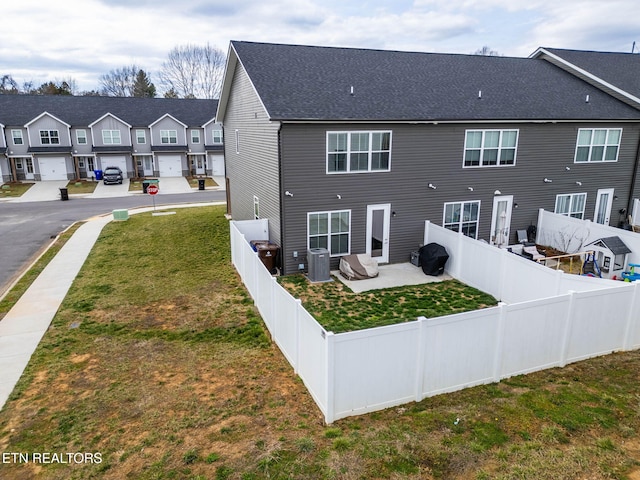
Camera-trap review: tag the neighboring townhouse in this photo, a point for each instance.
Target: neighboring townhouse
(353, 149)
(66, 137)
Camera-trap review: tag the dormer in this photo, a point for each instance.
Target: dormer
(48, 133)
(110, 134)
(168, 134)
(213, 137)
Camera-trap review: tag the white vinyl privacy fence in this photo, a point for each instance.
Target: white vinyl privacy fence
(545, 319)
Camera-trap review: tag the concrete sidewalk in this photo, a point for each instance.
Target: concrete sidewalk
(25, 324)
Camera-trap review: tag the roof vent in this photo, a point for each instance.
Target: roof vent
(352, 90)
(587, 99)
(479, 93)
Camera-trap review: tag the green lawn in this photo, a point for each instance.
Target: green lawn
(158, 361)
(338, 309)
(14, 189)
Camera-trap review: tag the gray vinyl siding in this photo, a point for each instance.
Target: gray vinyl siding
(110, 123)
(254, 170)
(48, 123)
(423, 154)
(168, 123)
(17, 150)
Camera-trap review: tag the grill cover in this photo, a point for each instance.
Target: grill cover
(433, 258)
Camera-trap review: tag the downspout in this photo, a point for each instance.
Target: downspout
(634, 180)
(281, 261)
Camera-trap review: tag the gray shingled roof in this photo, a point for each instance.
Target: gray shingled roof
(82, 111)
(314, 83)
(621, 70)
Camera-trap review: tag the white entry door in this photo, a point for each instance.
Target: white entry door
(199, 165)
(604, 201)
(378, 223)
(501, 220)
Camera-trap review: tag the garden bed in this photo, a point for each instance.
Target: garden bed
(338, 309)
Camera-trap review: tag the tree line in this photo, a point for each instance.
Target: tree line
(190, 71)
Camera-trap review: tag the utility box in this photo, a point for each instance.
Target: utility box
(319, 265)
(121, 215)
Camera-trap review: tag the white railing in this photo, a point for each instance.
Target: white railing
(551, 319)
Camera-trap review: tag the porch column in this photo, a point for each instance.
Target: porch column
(14, 172)
(76, 166)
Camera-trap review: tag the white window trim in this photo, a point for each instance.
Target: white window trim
(141, 135)
(591, 145)
(195, 136)
(571, 199)
(217, 136)
(461, 222)
(168, 135)
(500, 148)
(19, 135)
(348, 152)
(237, 141)
(108, 137)
(328, 234)
(83, 137)
(49, 137)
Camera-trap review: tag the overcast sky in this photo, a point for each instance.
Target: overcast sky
(42, 40)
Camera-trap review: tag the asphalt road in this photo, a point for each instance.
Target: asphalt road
(26, 228)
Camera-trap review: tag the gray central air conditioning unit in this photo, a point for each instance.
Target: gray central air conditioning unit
(319, 265)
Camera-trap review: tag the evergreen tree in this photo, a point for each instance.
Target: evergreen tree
(142, 86)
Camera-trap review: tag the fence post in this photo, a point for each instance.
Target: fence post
(459, 254)
(329, 415)
(567, 330)
(497, 358)
(632, 320)
(503, 271)
(421, 356)
(425, 239)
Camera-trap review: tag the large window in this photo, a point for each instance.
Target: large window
(490, 148)
(169, 136)
(111, 137)
(49, 137)
(17, 137)
(571, 205)
(81, 137)
(462, 217)
(598, 144)
(358, 152)
(330, 230)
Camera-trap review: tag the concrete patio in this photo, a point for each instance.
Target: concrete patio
(391, 275)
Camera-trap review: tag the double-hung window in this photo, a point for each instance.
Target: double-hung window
(17, 137)
(141, 137)
(571, 205)
(217, 136)
(49, 137)
(349, 152)
(462, 217)
(111, 137)
(598, 144)
(168, 136)
(195, 136)
(330, 230)
(490, 148)
(81, 137)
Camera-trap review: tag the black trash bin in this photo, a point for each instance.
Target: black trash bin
(267, 254)
(201, 184)
(145, 184)
(64, 194)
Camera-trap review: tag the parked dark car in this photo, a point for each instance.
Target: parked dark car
(112, 175)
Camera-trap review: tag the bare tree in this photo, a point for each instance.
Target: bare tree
(119, 82)
(8, 85)
(487, 52)
(193, 71)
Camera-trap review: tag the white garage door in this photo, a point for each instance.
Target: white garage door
(170, 165)
(115, 161)
(216, 164)
(52, 168)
